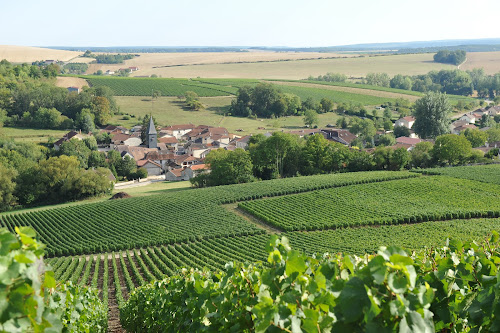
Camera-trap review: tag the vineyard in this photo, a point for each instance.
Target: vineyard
(483, 173)
(117, 246)
(394, 202)
(137, 267)
(130, 86)
(167, 218)
(125, 86)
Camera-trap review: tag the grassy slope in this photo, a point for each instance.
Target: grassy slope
(168, 111)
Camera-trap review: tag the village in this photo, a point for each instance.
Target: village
(177, 152)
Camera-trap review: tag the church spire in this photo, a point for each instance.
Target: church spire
(152, 135)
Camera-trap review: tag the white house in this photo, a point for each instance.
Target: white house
(470, 118)
(405, 121)
(178, 130)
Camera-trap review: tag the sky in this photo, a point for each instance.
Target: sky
(297, 23)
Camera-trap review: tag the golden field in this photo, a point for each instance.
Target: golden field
(353, 66)
(21, 54)
(490, 61)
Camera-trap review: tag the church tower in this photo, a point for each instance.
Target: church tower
(152, 135)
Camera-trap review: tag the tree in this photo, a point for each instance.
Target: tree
(493, 134)
(47, 118)
(7, 187)
(97, 159)
(432, 113)
(421, 155)
(192, 100)
(101, 110)
(310, 117)
(378, 79)
(228, 167)
(401, 82)
(401, 131)
(342, 123)
(387, 124)
(452, 149)
(486, 121)
(476, 137)
(276, 156)
(126, 167)
(317, 155)
(387, 140)
(77, 148)
(326, 105)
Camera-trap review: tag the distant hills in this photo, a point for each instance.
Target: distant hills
(469, 45)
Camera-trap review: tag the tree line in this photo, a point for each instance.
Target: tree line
(454, 82)
(286, 155)
(29, 98)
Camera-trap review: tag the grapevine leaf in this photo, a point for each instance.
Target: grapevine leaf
(397, 282)
(377, 269)
(353, 299)
(295, 263)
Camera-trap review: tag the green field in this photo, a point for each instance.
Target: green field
(30, 134)
(392, 202)
(484, 173)
(169, 111)
(130, 86)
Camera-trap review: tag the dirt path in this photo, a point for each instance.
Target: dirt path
(114, 325)
(353, 90)
(233, 208)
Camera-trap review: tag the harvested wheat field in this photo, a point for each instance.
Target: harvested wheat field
(66, 81)
(354, 66)
(490, 61)
(150, 63)
(21, 54)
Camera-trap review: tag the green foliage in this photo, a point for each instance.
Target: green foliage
(482, 173)
(166, 87)
(7, 187)
(310, 118)
(112, 58)
(228, 167)
(452, 149)
(60, 179)
(192, 101)
(293, 292)
(75, 68)
(476, 137)
(31, 301)
(432, 113)
(450, 57)
(378, 79)
(392, 202)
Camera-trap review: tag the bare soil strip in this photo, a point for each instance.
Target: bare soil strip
(114, 325)
(352, 90)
